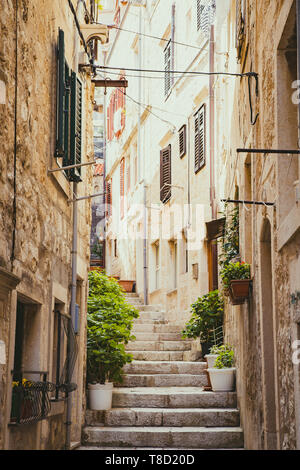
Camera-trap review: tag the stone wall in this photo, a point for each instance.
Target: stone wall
(262, 332)
(35, 215)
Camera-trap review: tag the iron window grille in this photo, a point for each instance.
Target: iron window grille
(30, 399)
(65, 335)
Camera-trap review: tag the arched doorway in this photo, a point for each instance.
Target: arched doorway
(267, 339)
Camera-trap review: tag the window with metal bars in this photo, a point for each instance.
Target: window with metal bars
(200, 146)
(165, 174)
(69, 114)
(182, 141)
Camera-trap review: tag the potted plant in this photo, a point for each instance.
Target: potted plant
(109, 324)
(211, 357)
(223, 373)
(207, 315)
(236, 278)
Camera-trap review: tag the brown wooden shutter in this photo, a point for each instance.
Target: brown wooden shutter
(240, 26)
(200, 147)
(165, 174)
(122, 189)
(108, 198)
(182, 141)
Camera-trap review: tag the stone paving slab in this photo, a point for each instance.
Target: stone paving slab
(158, 345)
(165, 367)
(181, 417)
(164, 380)
(172, 397)
(194, 437)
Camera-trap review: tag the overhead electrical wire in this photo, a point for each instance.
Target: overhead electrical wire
(182, 72)
(150, 36)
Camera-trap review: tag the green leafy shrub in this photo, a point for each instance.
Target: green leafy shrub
(207, 314)
(109, 323)
(225, 358)
(230, 240)
(231, 271)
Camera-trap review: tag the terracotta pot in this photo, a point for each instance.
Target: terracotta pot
(127, 285)
(239, 290)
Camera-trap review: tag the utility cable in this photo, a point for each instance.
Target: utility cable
(150, 36)
(182, 72)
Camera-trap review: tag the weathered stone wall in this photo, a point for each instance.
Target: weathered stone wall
(246, 326)
(41, 254)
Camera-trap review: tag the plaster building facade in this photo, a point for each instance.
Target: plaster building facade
(157, 179)
(44, 236)
(159, 153)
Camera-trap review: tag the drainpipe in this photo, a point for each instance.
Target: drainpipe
(142, 170)
(212, 145)
(72, 312)
(74, 278)
(14, 214)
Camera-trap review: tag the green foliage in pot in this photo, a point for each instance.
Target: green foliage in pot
(109, 323)
(207, 314)
(230, 241)
(225, 358)
(232, 271)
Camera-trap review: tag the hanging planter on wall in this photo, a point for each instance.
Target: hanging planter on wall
(236, 278)
(239, 291)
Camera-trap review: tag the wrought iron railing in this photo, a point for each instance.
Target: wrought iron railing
(217, 336)
(30, 399)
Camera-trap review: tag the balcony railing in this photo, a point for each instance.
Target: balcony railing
(30, 399)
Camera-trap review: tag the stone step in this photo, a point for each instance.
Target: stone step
(148, 308)
(171, 397)
(144, 326)
(157, 355)
(158, 346)
(165, 367)
(141, 336)
(177, 437)
(181, 417)
(132, 295)
(150, 316)
(164, 380)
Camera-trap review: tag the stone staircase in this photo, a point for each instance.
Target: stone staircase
(161, 404)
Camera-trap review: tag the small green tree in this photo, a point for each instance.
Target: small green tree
(109, 323)
(207, 315)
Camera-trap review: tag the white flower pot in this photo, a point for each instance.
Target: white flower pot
(211, 359)
(100, 396)
(222, 380)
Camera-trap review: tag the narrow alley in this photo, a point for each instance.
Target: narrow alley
(149, 226)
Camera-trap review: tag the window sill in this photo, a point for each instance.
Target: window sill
(171, 292)
(155, 291)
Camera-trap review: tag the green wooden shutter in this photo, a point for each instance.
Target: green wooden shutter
(75, 127)
(60, 88)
